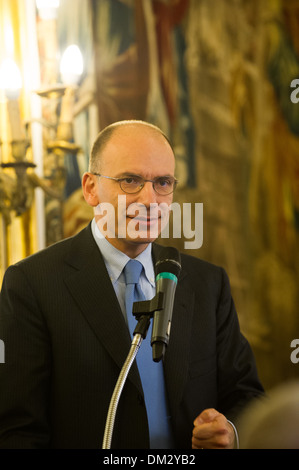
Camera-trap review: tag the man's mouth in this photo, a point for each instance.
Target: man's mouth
(144, 220)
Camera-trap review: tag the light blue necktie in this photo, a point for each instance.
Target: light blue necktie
(151, 373)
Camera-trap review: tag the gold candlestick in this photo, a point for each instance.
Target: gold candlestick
(14, 117)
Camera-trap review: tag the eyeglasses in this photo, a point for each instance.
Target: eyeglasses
(132, 184)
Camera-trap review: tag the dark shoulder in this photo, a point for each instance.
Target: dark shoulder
(196, 268)
(50, 266)
(55, 251)
(58, 252)
(193, 262)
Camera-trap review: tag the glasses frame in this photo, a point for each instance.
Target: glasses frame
(119, 180)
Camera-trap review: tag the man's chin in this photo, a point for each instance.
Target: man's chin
(140, 239)
(131, 246)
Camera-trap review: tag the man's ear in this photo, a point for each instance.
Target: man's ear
(89, 188)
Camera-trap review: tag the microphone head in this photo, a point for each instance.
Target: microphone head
(169, 261)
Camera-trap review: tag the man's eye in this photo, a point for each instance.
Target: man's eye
(131, 180)
(164, 182)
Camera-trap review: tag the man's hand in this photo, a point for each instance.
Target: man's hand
(212, 431)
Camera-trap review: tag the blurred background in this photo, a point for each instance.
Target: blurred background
(216, 76)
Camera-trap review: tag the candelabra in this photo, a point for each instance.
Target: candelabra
(17, 191)
(18, 175)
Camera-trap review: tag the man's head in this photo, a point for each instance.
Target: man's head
(122, 153)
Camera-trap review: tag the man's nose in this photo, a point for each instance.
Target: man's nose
(147, 195)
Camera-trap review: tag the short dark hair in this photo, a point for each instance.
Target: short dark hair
(105, 135)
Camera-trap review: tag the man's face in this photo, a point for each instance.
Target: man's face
(134, 150)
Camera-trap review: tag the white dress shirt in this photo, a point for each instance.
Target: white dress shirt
(115, 261)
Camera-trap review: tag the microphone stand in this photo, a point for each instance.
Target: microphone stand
(143, 312)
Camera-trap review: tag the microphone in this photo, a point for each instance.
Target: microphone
(167, 270)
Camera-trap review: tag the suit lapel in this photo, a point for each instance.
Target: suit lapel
(90, 286)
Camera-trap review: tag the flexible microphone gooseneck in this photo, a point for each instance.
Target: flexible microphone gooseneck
(167, 270)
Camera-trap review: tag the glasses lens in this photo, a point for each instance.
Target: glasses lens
(131, 184)
(164, 185)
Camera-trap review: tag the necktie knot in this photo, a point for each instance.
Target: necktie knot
(132, 271)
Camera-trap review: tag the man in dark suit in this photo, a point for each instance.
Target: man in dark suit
(64, 324)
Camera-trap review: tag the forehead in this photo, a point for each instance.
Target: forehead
(137, 149)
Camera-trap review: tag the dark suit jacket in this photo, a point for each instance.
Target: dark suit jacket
(66, 341)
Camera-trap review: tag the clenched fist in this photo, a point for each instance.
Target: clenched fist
(212, 431)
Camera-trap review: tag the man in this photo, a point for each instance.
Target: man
(64, 323)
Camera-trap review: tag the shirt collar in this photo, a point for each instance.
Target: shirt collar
(116, 260)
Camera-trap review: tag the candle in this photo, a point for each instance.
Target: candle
(67, 106)
(14, 116)
(71, 69)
